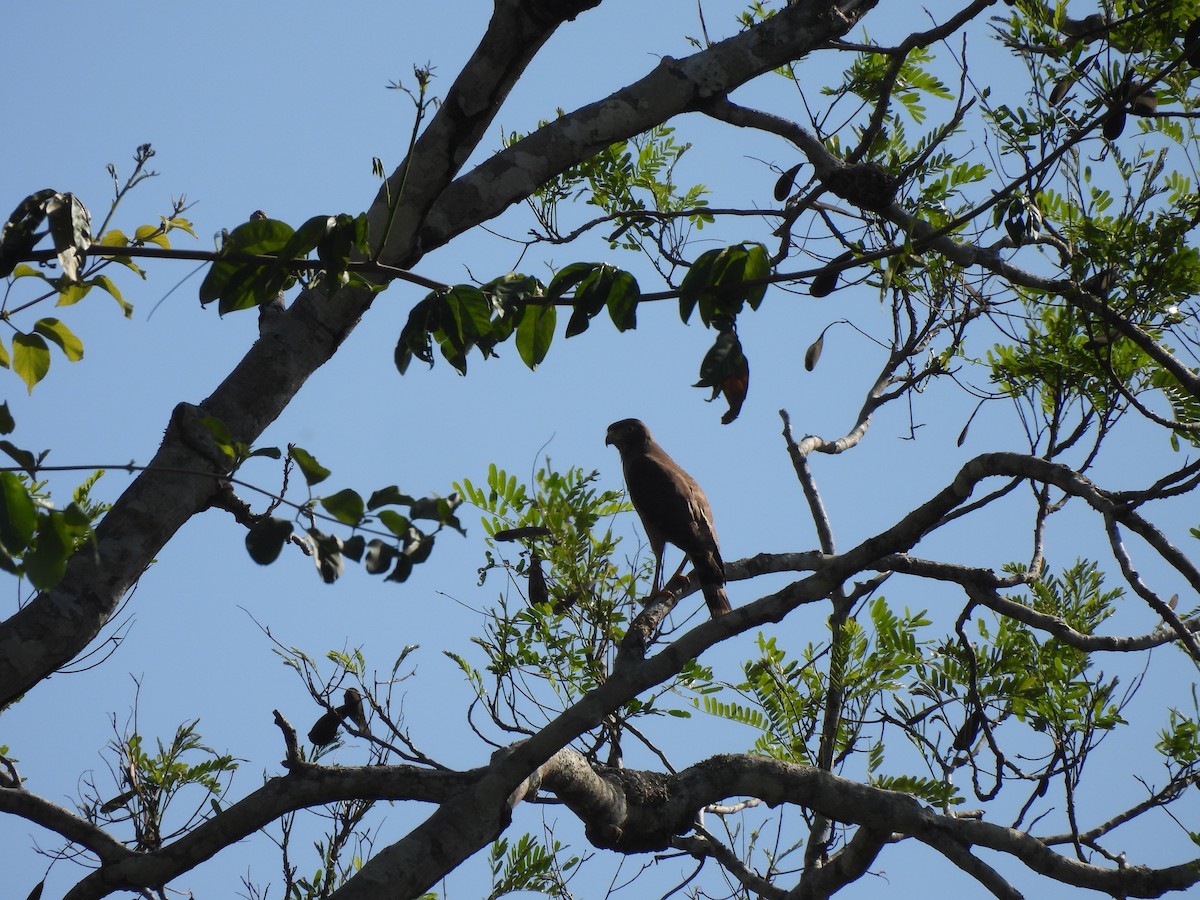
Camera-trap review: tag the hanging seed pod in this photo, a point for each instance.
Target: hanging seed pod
(783, 187)
(352, 709)
(1059, 94)
(1191, 44)
(1114, 123)
(538, 593)
(814, 352)
(825, 282)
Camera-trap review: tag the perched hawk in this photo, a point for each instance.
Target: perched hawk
(672, 508)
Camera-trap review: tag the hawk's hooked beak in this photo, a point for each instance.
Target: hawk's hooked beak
(608, 438)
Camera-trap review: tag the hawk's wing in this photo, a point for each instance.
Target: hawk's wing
(673, 508)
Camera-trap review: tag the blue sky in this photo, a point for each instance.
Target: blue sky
(282, 108)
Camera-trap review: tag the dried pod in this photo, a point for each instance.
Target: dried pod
(1114, 123)
(538, 592)
(325, 730)
(1059, 93)
(783, 187)
(1191, 44)
(825, 282)
(352, 708)
(814, 352)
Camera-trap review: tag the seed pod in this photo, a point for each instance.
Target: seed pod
(1059, 94)
(783, 187)
(1191, 44)
(814, 352)
(825, 282)
(538, 593)
(1114, 122)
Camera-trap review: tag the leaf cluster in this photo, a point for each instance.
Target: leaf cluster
(69, 229)
(237, 283)
(527, 865)
(398, 546)
(153, 782)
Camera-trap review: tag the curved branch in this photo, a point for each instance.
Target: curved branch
(304, 786)
(62, 821)
(673, 87)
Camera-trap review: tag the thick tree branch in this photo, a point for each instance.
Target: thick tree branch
(673, 87)
(58, 624)
(304, 786)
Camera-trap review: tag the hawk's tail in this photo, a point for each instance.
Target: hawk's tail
(716, 598)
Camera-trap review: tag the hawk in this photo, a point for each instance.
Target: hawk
(672, 508)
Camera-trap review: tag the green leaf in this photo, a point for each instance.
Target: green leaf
(597, 285)
(106, 284)
(305, 238)
(423, 320)
(114, 237)
(239, 285)
(71, 292)
(346, 506)
(60, 334)
(152, 234)
(31, 358)
(716, 282)
(46, 563)
(623, 298)
(18, 513)
(568, 277)
(535, 331)
(7, 423)
(24, 270)
(313, 471)
(465, 318)
(438, 509)
(388, 496)
(696, 283)
(345, 235)
(24, 458)
(221, 435)
(265, 539)
(394, 522)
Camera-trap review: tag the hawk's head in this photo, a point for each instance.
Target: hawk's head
(628, 434)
